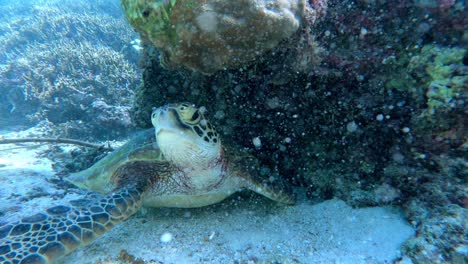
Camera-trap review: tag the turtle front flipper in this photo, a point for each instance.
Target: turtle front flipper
(45, 237)
(248, 169)
(275, 189)
(98, 177)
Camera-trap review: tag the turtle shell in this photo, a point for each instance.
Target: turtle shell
(97, 178)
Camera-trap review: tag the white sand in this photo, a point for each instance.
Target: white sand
(243, 229)
(23, 174)
(257, 230)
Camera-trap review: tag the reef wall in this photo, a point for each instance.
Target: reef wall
(365, 104)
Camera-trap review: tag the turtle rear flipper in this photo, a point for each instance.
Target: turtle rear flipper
(45, 237)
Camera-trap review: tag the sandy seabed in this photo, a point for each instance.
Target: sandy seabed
(245, 228)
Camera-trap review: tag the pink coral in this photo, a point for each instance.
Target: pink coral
(316, 9)
(445, 5)
(320, 6)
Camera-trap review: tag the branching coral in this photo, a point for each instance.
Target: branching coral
(57, 59)
(65, 67)
(49, 23)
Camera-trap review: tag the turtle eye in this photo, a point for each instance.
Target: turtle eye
(183, 106)
(195, 116)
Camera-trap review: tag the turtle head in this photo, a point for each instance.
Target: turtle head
(185, 136)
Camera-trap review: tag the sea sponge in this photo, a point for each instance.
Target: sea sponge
(443, 71)
(209, 35)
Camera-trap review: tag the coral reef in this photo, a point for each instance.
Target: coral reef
(75, 68)
(434, 176)
(435, 203)
(442, 70)
(435, 75)
(208, 36)
(366, 125)
(366, 104)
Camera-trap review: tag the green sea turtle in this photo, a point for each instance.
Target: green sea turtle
(184, 165)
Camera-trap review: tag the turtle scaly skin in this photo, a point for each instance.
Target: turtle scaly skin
(181, 163)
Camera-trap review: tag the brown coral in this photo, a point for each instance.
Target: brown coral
(208, 36)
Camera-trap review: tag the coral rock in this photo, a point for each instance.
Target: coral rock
(211, 35)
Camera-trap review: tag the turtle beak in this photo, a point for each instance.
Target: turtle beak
(156, 114)
(166, 118)
(162, 108)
